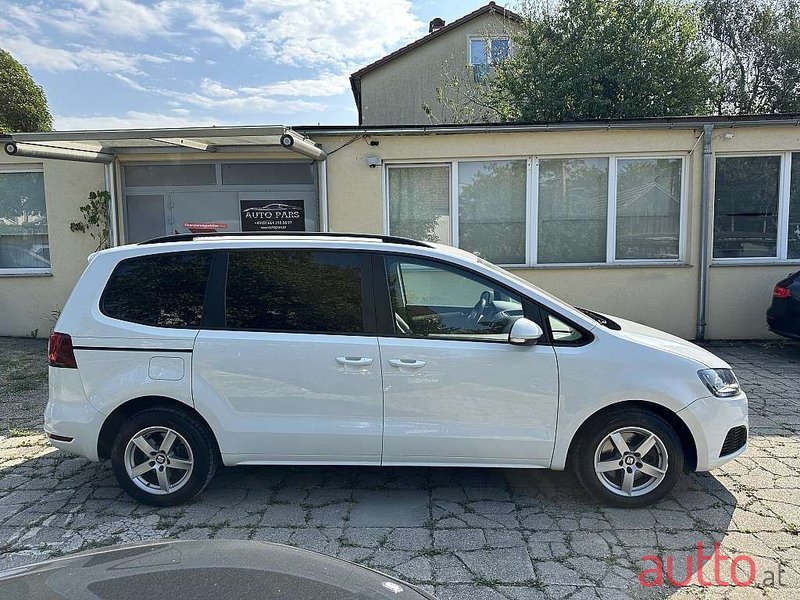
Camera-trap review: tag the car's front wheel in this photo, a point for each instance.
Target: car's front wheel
(163, 456)
(630, 458)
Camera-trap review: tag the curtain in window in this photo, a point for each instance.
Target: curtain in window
(491, 209)
(419, 202)
(23, 222)
(573, 210)
(648, 208)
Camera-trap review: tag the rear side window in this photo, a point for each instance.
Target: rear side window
(162, 290)
(296, 291)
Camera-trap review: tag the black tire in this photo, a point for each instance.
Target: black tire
(596, 433)
(201, 449)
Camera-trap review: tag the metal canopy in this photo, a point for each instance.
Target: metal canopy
(80, 145)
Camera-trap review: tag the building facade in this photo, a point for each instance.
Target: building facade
(408, 86)
(610, 216)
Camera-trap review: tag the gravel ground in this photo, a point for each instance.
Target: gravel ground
(460, 533)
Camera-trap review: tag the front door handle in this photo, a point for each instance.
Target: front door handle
(354, 361)
(406, 363)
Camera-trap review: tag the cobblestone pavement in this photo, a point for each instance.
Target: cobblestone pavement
(461, 533)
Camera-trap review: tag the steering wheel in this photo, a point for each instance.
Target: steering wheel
(479, 310)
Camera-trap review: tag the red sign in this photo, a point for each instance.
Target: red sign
(201, 227)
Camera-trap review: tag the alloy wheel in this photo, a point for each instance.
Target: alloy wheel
(631, 461)
(159, 460)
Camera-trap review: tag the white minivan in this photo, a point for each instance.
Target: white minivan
(175, 355)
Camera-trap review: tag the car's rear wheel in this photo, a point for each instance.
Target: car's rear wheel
(630, 458)
(163, 456)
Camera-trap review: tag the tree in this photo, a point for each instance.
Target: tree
(23, 106)
(755, 54)
(593, 59)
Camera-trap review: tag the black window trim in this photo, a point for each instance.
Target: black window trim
(587, 337)
(218, 285)
(531, 308)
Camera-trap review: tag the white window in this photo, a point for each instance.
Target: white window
(757, 207)
(648, 208)
(419, 202)
(492, 209)
(573, 210)
(546, 211)
(24, 245)
(486, 51)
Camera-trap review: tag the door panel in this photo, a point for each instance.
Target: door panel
(290, 371)
(285, 397)
(455, 391)
(471, 402)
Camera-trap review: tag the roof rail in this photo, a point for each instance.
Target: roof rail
(188, 237)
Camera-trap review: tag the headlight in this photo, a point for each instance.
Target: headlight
(720, 382)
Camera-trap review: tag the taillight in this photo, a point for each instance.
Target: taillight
(781, 292)
(60, 352)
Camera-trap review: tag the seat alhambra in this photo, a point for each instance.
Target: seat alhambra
(174, 356)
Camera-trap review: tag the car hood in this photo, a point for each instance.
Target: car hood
(666, 342)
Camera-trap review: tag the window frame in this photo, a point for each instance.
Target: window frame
(784, 189)
(487, 47)
(33, 271)
(532, 204)
(216, 294)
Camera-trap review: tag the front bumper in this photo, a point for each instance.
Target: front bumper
(710, 419)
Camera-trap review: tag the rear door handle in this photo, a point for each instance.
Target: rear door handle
(406, 363)
(354, 361)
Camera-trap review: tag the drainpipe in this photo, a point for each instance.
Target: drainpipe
(705, 221)
(110, 176)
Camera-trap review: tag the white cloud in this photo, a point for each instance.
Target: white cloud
(336, 33)
(124, 18)
(75, 57)
(132, 120)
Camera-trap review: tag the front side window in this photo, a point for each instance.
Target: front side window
(437, 301)
(161, 290)
(491, 209)
(746, 206)
(573, 210)
(295, 291)
(23, 221)
(419, 202)
(648, 208)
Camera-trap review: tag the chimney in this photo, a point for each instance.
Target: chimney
(435, 24)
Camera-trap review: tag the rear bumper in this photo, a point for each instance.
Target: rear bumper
(783, 317)
(69, 415)
(710, 419)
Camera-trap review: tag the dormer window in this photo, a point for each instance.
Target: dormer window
(484, 52)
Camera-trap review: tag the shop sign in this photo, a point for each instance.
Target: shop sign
(260, 215)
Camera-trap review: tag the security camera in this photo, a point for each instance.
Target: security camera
(373, 161)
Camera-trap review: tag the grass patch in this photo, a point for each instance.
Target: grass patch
(22, 373)
(14, 432)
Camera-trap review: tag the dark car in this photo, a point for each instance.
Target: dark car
(783, 315)
(204, 570)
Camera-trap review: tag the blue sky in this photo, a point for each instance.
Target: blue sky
(160, 63)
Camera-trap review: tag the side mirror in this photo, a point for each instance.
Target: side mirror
(524, 332)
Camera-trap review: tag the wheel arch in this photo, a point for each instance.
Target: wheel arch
(133, 406)
(681, 429)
